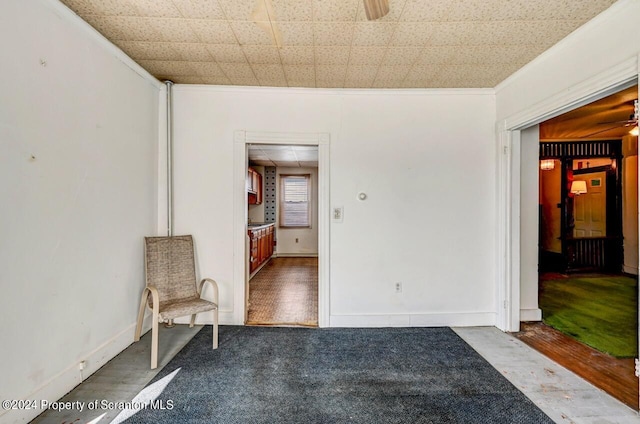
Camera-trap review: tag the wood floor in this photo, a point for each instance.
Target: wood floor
(614, 376)
(285, 292)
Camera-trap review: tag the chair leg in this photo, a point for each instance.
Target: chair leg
(136, 338)
(193, 321)
(154, 337)
(215, 328)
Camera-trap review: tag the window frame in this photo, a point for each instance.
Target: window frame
(282, 201)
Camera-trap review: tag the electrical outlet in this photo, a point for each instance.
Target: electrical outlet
(338, 214)
(398, 287)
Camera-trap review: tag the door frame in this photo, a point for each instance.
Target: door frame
(242, 139)
(508, 135)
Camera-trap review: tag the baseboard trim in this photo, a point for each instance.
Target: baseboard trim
(297, 255)
(66, 380)
(531, 314)
(462, 319)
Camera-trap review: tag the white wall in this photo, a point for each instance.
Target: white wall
(307, 238)
(426, 161)
(78, 137)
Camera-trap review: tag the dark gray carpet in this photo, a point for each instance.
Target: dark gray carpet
(337, 375)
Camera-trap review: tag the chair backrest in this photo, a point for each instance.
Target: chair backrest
(170, 267)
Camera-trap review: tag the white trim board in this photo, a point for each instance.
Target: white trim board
(453, 319)
(240, 274)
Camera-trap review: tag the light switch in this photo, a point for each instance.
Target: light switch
(338, 214)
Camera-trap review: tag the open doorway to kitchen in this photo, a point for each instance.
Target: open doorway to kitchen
(282, 232)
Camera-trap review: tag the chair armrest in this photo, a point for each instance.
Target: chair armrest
(214, 286)
(155, 298)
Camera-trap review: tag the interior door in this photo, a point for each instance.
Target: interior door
(590, 208)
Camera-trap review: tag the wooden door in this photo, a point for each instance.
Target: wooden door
(590, 208)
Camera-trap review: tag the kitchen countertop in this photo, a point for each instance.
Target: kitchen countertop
(257, 226)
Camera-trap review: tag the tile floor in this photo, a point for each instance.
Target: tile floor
(562, 395)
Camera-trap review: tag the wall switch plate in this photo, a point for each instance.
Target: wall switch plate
(338, 214)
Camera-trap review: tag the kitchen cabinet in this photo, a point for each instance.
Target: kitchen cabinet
(254, 186)
(261, 242)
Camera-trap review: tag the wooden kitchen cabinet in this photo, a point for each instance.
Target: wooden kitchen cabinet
(254, 186)
(261, 241)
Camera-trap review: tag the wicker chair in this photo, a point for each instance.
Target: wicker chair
(171, 282)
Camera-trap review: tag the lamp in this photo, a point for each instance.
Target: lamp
(634, 131)
(578, 187)
(547, 164)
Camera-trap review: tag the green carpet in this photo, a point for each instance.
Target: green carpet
(601, 312)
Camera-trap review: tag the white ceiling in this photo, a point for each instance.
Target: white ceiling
(329, 43)
(277, 155)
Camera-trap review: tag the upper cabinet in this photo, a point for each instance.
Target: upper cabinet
(254, 186)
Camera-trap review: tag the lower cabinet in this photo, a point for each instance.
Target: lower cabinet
(260, 246)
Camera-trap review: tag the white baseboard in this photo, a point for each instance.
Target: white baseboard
(470, 319)
(531, 314)
(62, 383)
(297, 255)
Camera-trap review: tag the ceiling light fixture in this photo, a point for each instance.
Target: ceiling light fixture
(578, 187)
(547, 164)
(376, 9)
(634, 131)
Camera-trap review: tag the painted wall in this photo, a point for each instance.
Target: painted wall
(550, 197)
(605, 48)
(78, 136)
(428, 221)
(307, 243)
(630, 203)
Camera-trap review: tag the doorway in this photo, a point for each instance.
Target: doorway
(282, 226)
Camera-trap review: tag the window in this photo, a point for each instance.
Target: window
(295, 209)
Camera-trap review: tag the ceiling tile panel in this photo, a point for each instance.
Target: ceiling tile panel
(412, 34)
(168, 68)
(486, 54)
(335, 10)
(268, 72)
(237, 10)
(213, 32)
(237, 70)
(262, 54)
(127, 28)
(393, 72)
(302, 83)
(330, 83)
(229, 53)
(200, 9)
(359, 83)
(436, 55)
(156, 8)
(296, 33)
(395, 10)
(248, 33)
(300, 72)
(188, 79)
(366, 55)
(253, 82)
(273, 82)
(297, 55)
(175, 30)
(193, 52)
(293, 10)
(150, 51)
(114, 7)
(461, 33)
(394, 83)
(331, 72)
(401, 55)
(332, 55)
(425, 11)
(332, 33)
(422, 72)
(472, 10)
(361, 72)
(219, 80)
(81, 7)
(373, 33)
(208, 69)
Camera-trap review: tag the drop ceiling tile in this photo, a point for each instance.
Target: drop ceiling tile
(174, 30)
(293, 10)
(200, 9)
(208, 69)
(422, 72)
(149, 51)
(484, 54)
(472, 10)
(332, 55)
(395, 10)
(237, 10)
(114, 7)
(537, 32)
(425, 11)
(237, 71)
(366, 55)
(229, 53)
(300, 72)
(268, 72)
(295, 55)
(252, 82)
(395, 83)
(331, 72)
(461, 33)
(157, 8)
(308, 164)
(81, 7)
(219, 80)
(296, 33)
(335, 10)
(262, 54)
(302, 84)
(193, 52)
(401, 55)
(361, 73)
(550, 10)
(373, 33)
(436, 55)
(332, 33)
(358, 83)
(273, 83)
(412, 34)
(249, 33)
(393, 72)
(188, 79)
(127, 28)
(423, 83)
(212, 32)
(162, 68)
(330, 83)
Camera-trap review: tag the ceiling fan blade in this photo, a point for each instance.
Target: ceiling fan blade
(376, 9)
(264, 17)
